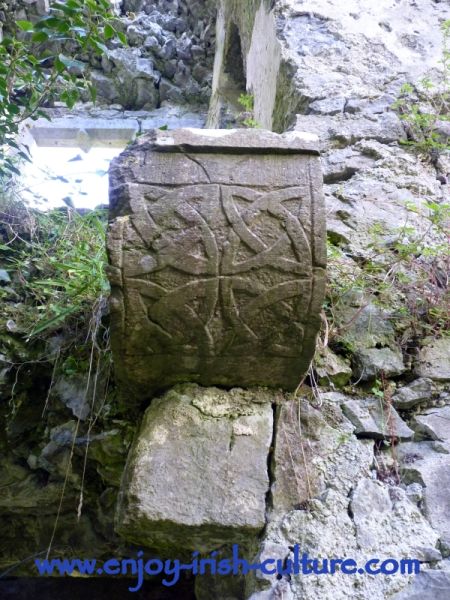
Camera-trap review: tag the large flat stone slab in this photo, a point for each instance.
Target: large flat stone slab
(217, 255)
(419, 390)
(197, 475)
(434, 424)
(85, 133)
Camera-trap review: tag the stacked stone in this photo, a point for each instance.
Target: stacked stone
(13, 10)
(169, 58)
(217, 256)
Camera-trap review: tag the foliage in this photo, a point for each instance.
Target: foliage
(58, 271)
(35, 68)
(409, 276)
(247, 117)
(247, 102)
(422, 105)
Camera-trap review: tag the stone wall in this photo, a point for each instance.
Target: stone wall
(247, 60)
(169, 58)
(339, 68)
(169, 55)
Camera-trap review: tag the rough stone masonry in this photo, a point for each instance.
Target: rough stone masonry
(217, 255)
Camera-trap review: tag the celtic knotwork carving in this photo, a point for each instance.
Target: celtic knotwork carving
(291, 234)
(217, 252)
(220, 269)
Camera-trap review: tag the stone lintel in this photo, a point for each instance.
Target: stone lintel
(88, 132)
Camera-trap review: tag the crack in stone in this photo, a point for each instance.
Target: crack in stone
(197, 162)
(270, 455)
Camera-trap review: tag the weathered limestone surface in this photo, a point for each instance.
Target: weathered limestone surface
(345, 511)
(434, 360)
(428, 585)
(303, 436)
(414, 393)
(217, 255)
(373, 419)
(434, 424)
(197, 475)
(428, 463)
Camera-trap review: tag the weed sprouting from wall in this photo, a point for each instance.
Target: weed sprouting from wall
(408, 277)
(425, 104)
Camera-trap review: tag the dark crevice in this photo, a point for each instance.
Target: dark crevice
(232, 441)
(270, 459)
(214, 149)
(234, 63)
(200, 164)
(349, 508)
(338, 177)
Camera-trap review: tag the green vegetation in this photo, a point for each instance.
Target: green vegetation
(53, 328)
(56, 265)
(247, 117)
(55, 260)
(35, 68)
(423, 104)
(407, 276)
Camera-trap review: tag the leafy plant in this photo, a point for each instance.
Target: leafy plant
(39, 62)
(59, 271)
(247, 117)
(247, 102)
(423, 104)
(377, 389)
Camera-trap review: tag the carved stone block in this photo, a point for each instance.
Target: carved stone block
(217, 254)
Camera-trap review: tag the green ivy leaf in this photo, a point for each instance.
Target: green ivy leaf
(109, 32)
(122, 37)
(13, 109)
(92, 92)
(69, 8)
(25, 25)
(70, 97)
(100, 47)
(49, 22)
(40, 36)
